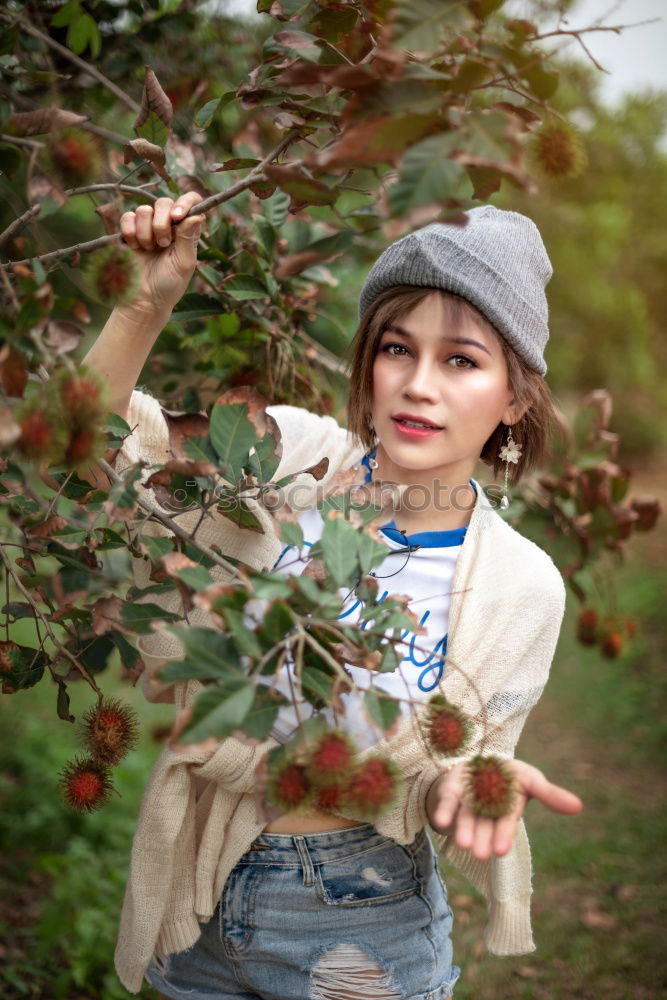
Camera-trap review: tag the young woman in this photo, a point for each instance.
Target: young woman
(447, 368)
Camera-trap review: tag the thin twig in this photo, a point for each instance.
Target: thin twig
(17, 224)
(30, 29)
(255, 176)
(17, 140)
(21, 101)
(62, 649)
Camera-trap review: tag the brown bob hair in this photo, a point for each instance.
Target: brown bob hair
(532, 431)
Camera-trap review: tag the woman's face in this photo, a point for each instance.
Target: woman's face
(453, 379)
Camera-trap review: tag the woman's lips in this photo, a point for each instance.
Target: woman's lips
(415, 432)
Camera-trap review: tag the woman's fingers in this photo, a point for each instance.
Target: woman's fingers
(536, 786)
(156, 226)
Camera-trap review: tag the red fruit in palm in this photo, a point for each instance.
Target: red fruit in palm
(85, 784)
(490, 788)
(373, 786)
(448, 729)
(109, 730)
(288, 786)
(587, 627)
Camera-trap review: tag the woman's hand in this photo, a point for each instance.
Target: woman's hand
(449, 814)
(165, 244)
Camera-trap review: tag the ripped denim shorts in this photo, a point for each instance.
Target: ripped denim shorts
(347, 913)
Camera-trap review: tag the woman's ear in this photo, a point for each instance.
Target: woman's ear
(514, 413)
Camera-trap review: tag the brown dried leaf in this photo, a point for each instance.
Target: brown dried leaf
(110, 213)
(188, 182)
(254, 401)
(106, 614)
(62, 337)
(597, 920)
(13, 372)
(295, 263)
(41, 187)
(182, 426)
(46, 528)
(80, 311)
(173, 562)
(319, 470)
(148, 151)
(25, 123)
(153, 98)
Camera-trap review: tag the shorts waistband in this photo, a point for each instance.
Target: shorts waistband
(290, 848)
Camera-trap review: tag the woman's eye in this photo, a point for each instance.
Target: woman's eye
(469, 363)
(389, 349)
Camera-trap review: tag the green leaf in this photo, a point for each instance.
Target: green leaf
(70, 12)
(276, 208)
(196, 306)
(427, 174)
(270, 585)
(316, 684)
(370, 553)
(277, 622)
(232, 435)
(291, 533)
(383, 710)
(240, 514)
(244, 287)
(422, 24)
(219, 711)
(244, 638)
(157, 546)
(209, 655)
(129, 655)
(542, 83)
(23, 668)
(259, 721)
(264, 461)
(339, 546)
(195, 576)
(154, 129)
(83, 32)
(138, 617)
(206, 114)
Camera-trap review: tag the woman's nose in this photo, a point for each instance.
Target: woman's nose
(421, 381)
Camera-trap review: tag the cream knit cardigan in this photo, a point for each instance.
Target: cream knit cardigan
(198, 815)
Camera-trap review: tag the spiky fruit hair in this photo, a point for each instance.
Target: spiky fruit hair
(288, 786)
(373, 786)
(557, 150)
(42, 437)
(448, 729)
(85, 784)
(74, 157)
(491, 789)
(113, 274)
(109, 730)
(331, 758)
(81, 394)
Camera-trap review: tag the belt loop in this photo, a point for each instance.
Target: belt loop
(306, 861)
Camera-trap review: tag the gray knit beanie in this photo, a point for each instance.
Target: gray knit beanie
(497, 261)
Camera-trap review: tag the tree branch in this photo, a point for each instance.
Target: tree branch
(253, 177)
(30, 29)
(17, 224)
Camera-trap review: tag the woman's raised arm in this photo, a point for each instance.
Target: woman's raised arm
(165, 244)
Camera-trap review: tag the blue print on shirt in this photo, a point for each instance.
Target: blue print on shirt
(431, 674)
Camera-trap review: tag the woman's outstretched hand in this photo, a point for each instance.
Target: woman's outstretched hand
(448, 812)
(165, 243)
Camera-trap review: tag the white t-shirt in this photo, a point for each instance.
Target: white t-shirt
(425, 573)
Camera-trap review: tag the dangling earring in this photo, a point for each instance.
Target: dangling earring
(510, 452)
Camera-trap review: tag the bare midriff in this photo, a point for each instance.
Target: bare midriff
(314, 822)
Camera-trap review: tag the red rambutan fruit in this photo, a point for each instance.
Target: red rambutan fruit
(373, 785)
(288, 786)
(331, 757)
(83, 446)
(112, 274)
(74, 156)
(448, 729)
(41, 438)
(83, 396)
(587, 627)
(557, 150)
(85, 784)
(490, 788)
(612, 644)
(329, 798)
(109, 730)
